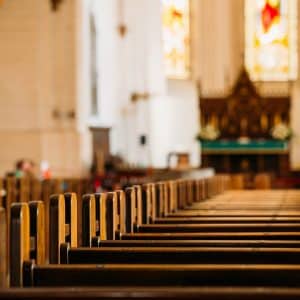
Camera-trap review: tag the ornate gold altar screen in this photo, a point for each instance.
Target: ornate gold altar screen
(245, 120)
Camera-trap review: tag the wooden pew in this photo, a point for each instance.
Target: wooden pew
(161, 275)
(3, 249)
(104, 216)
(250, 224)
(27, 237)
(63, 224)
(179, 255)
(162, 255)
(210, 225)
(270, 223)
(205, 239)
(138, 275)
(202, 243)
(214, 236)
(37, 231)
(134, 207)
(221, 227)
(125, 293)
(216, 220)
(2, 193)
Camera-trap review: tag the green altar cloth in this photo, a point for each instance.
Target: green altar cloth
(251, 146)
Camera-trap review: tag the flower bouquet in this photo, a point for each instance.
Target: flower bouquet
(281, 132)
(208, 133)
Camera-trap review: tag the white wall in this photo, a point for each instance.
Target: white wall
(170, 117)
(45, 61)
(37, 76)
(133, 64)
(175, 123)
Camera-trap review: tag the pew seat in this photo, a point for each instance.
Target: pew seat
(227, 220)
(254, 235)
(187, 255)
(242, 275)
(200, 243)
(220, 227)
(125, 293)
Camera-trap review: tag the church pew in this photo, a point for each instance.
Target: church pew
(2, 193)
(170, 224)
(253, 229)
(62, 201)
(27, 236)
(125, 293)
(179, 255)
(53, 228)
(63, 223)
(272, 206)
(233, 214)
(201, 243)
(154, 275)
(260, 239)
(63, 214)
(167, 255)
(167, 223)
(139, 275)
(284, 204)
(115, 213)
(224, 235)
(214, 236)
(37, 231)
(216, 220)
(220, 227)
(200, 208)
(210, 221)
(3, 249)
(161, 275)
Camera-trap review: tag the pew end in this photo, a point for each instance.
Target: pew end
(3, 249)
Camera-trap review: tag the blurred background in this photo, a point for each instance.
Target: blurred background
(120, 89)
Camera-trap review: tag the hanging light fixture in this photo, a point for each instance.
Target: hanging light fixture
(122, 28)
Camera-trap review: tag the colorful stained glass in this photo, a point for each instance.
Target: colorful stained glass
(176, 38)
(271, 39)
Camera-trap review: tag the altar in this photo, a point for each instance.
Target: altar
(257, 156)
(244, 120)
(245, 147)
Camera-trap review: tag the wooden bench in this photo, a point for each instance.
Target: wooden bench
(161, 275)
(31, 274)
(202, 243)
(211, 230)
(162, 255)
(214, 236)
(3, 249)
(266, 258)
(124, 293)
(217, 220)
(169, 255)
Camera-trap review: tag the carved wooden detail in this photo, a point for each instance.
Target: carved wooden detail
(244, 113)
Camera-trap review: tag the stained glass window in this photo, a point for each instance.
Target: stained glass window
(271, 39)
(176, 38)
